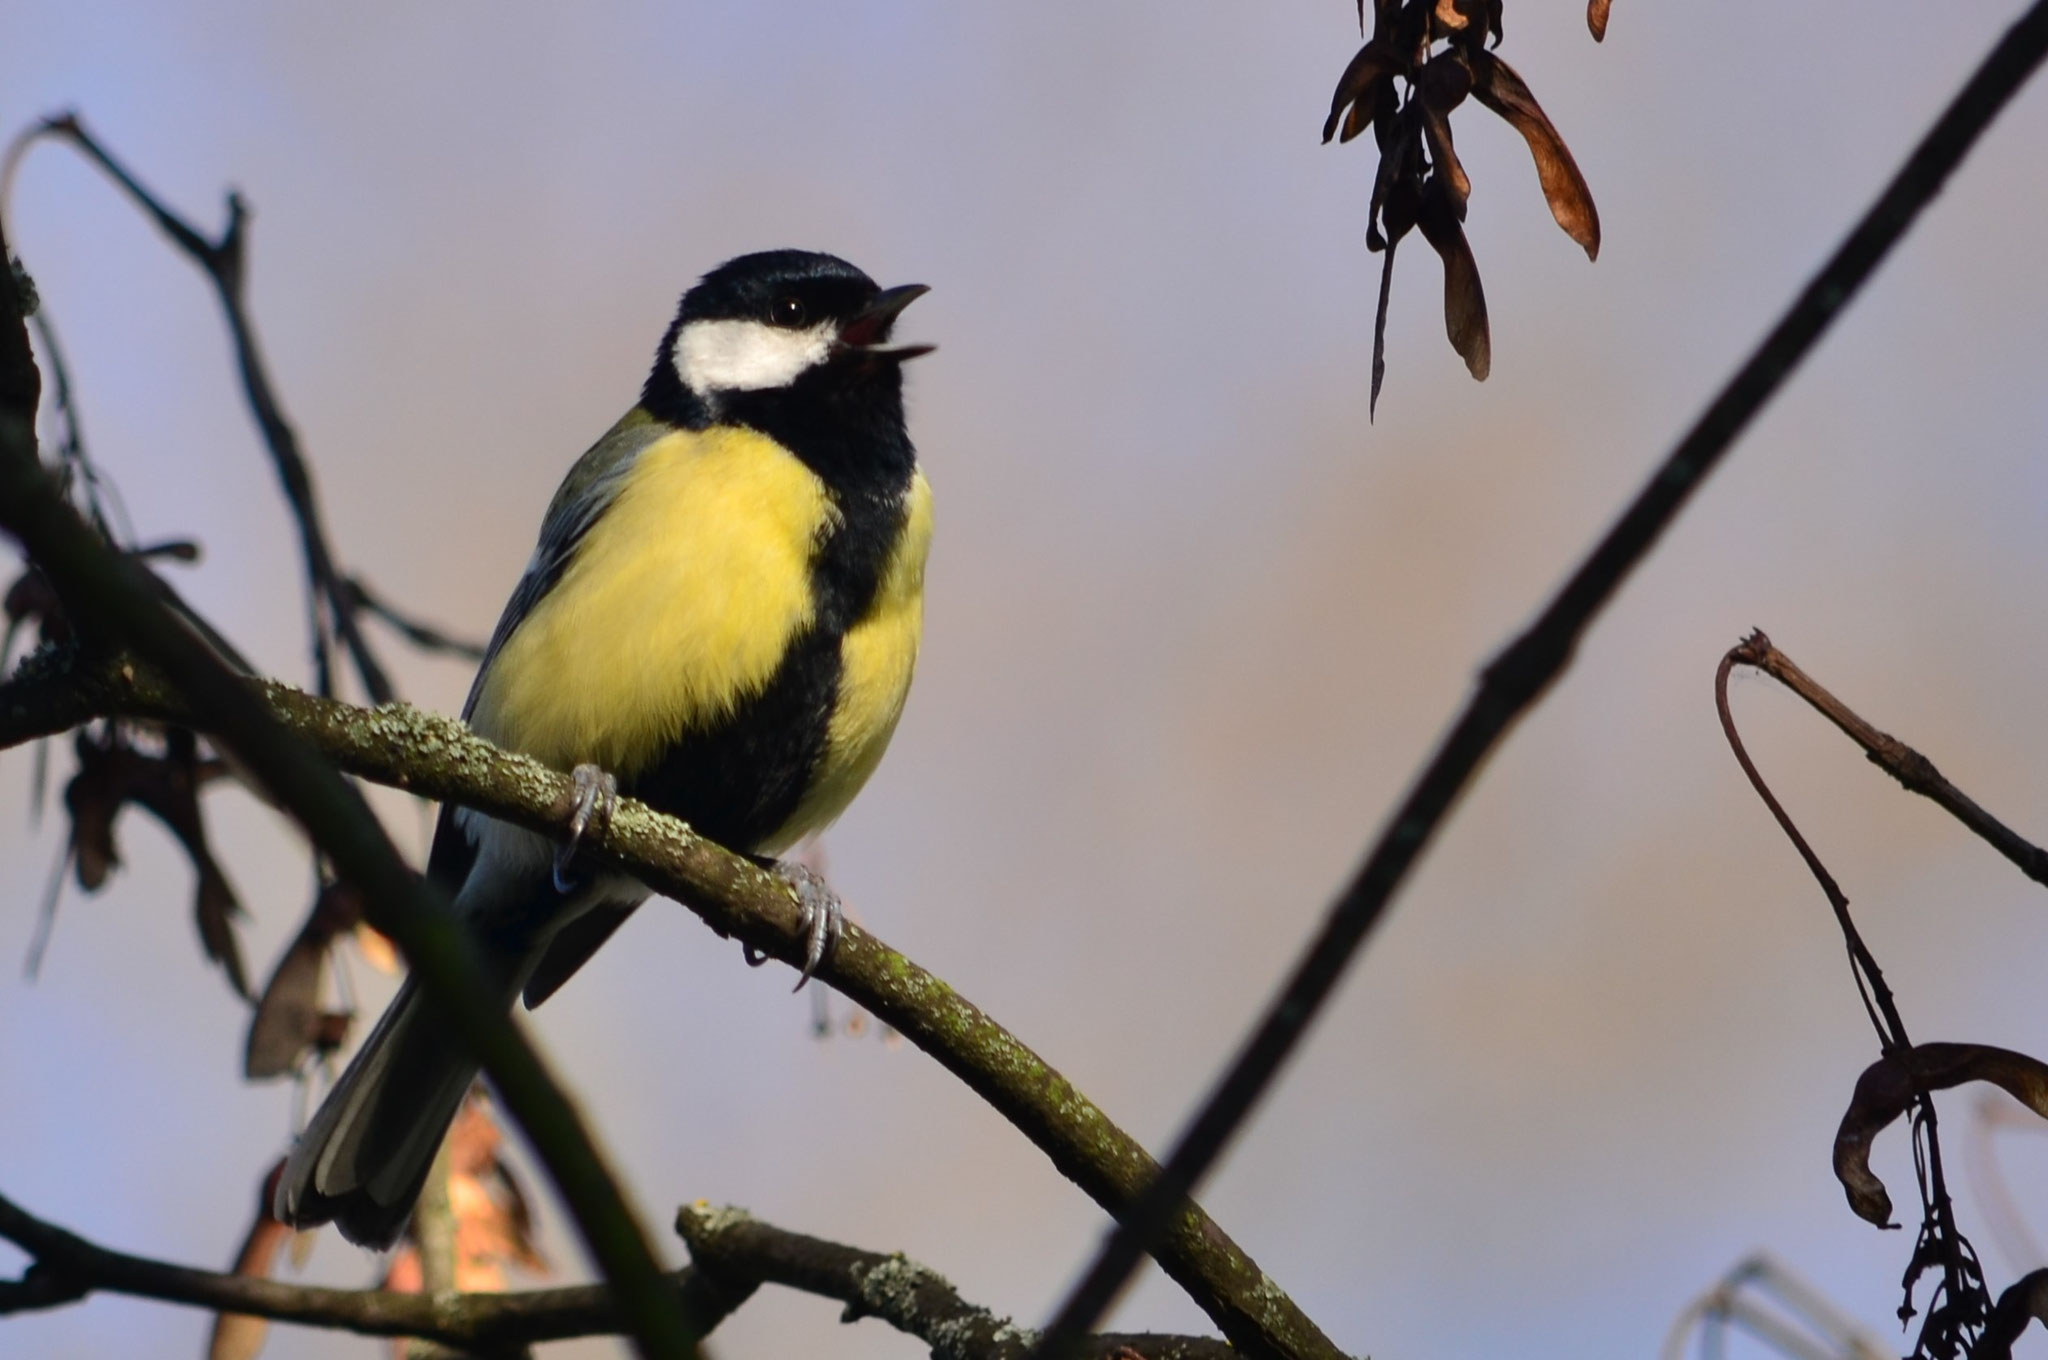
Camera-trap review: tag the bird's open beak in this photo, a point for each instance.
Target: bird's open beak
(866, 331)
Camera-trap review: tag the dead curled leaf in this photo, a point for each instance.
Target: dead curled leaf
(238, 1336)
(1464, 299)
(1422, 61)
(288, 1019)
(1596, 18)
(114, 770)
(1888, 1087)
(1495, 84)
(2023, 1301)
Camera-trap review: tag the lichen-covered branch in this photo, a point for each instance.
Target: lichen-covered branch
(734, 1246)
(438, 757)
(733, 1253)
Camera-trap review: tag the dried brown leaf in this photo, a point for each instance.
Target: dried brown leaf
(376, 949)
(1596, 18)
(1496, 85)
(2024, 1300)
(288, 1018)
(1379, 332)
(1889, 1085)
(238, 1336)
(493, 1220)
(94, 799)
(287, 1015)
(169, 790)
(1464, 299)
(1357, 89)
(1440, 87)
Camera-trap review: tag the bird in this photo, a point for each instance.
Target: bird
(721, 619)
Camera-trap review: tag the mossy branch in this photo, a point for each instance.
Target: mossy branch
(438, 757)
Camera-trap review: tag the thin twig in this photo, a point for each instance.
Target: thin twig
(1877, 996)
(222, 262)
(1913, 770)
(66, 1268)
(1520, 675)
(733, 1254)
(424, 636)
(438, 757)
(126, 604)
(1955, 1310)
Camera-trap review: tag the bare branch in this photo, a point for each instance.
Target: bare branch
(126, 604)
(733, 1245)
(1518, 677)
(734, 1254)
(1915, 771)
(336, 599)
(438, 757)
(67, 1268)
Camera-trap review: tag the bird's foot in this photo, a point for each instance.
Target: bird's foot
(596, 796)
(821, 916)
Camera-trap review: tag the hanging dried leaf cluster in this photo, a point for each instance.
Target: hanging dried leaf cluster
(1423, 60)
(160, 771)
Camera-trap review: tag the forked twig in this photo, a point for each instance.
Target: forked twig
(1913, 770)
(1958, 1308)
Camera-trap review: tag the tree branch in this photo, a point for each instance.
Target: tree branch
(124, 603)
(439, 757)
(1915, 771)
(1520, 675)
(732, 1245)
(334, 596)
(67, 1268)
(733, 1253)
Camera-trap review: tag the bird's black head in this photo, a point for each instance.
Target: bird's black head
(789, 342)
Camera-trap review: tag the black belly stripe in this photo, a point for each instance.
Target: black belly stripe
(740, 781)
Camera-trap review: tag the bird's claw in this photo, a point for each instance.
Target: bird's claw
(596, 796)
(821, 916)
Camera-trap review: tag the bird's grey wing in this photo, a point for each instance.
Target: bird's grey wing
(592, 485)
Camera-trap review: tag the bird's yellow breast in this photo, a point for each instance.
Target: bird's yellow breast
(678, 604)
(877, 657)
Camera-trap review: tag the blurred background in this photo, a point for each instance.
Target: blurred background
(1192, 621)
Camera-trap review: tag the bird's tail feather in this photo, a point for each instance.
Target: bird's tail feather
(363, 1159)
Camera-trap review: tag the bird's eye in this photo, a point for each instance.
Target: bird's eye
(787, 312)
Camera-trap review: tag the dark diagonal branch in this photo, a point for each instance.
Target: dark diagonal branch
(733, 1245)
(67, 1268)
(424, 636)
(1520, 675)
(125, 604)
(438, 757)
(1915, 771)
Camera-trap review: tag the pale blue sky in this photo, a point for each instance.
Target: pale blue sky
(1192, 620)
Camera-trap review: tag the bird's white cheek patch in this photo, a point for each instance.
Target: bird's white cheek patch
(746, 356)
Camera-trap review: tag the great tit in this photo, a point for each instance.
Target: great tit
(722, 616)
